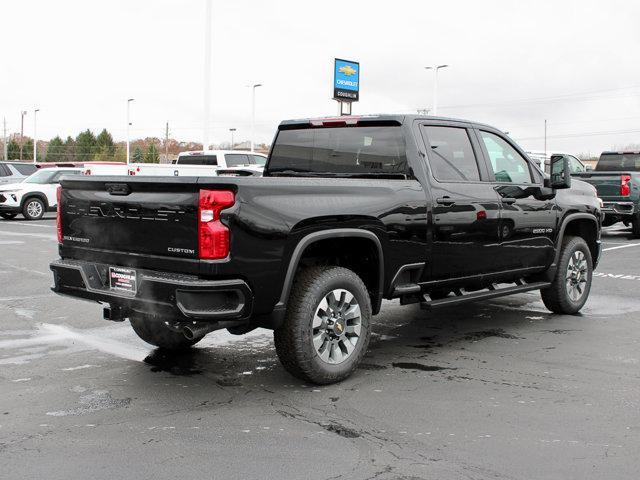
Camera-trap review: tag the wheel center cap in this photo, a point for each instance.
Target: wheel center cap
(339, 327)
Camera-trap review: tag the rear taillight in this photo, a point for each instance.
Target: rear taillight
(213, 235)
(625, 188)
(59, 214)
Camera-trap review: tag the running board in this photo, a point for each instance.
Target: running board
(491, 292)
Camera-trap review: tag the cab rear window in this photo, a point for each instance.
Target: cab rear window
(349, 150)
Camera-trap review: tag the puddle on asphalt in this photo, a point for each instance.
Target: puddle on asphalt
(420, 366)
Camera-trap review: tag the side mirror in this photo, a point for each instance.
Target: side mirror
(560, 172)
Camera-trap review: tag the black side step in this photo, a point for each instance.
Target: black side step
(491, 292)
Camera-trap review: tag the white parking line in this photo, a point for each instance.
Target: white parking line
(621, 246)
(31, 224)
(28, 234)
(616, 276)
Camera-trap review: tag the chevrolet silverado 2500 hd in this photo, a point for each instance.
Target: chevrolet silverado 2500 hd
(350, 211)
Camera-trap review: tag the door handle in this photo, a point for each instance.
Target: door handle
(447, 201)
(508, 200)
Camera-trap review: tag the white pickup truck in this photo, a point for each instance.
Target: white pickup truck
(194, 163)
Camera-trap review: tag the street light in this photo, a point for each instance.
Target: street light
(35, 135)
(129, 100)
(232, 130)
(253, 111)
(435, 68)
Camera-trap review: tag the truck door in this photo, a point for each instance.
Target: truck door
(466, 211)
(527, 223)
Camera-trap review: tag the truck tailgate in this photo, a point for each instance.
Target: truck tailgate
(607, 183)
(141, 216)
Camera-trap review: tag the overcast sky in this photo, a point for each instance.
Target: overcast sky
(513, 65)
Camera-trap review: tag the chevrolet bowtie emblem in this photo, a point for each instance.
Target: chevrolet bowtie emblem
(347, 70)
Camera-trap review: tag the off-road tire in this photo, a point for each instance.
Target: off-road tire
(635, 225)
(293, 340)
(153, 330)
(8, 216)
(33, 208)
(556, 297)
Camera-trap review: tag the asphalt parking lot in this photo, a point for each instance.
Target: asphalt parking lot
(502, 389)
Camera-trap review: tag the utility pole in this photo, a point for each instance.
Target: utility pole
(435, 69)
(35, 135)
(166, 143)
(207, 76)
(5, 150)
(22, 114)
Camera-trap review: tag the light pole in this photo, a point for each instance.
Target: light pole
(35, 135)
(435, 69)
(22, 114)
(207, 76)
(253, 111)
(129, 100)
(232, 130)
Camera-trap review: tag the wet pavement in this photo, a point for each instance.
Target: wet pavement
(500, 390)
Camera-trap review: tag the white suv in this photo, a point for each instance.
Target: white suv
(35, 195)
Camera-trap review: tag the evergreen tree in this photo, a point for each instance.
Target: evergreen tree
(106, 147)
(85, 146)
(55, 150)
(152, 155)
(137, 156)
(27, 149)
(69, 150)
(13, 150)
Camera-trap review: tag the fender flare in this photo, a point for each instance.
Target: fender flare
(323, 235)
(569, 218)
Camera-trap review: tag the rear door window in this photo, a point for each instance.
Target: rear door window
(25, 169)
(236, 159)
(507, 164)
(259, 160)
(451, 158)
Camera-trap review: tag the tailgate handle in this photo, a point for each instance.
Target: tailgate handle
(118, 189)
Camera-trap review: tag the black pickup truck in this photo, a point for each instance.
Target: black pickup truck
(350, 211)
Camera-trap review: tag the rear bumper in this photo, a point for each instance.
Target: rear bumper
(179, 297)
(618, 209)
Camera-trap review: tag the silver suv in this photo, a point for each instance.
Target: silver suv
(14, 172)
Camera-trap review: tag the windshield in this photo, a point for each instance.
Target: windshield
(343, 150)
(41, 176)
(617, 162)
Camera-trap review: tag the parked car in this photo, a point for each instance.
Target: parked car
(13, 172)
(350, 210)
(617, 180)
(34, 195)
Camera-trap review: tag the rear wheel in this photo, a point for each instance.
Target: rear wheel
(635, 225)
(572, 283)
(8, 216)
(33, 209)
(154, 331)
(326, 329)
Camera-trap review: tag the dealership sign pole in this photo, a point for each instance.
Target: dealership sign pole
(346, 84)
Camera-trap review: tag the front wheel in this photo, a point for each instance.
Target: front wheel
(154, 331)
(572, 283)
(8, 216)
(326, 329)
(33, 209)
